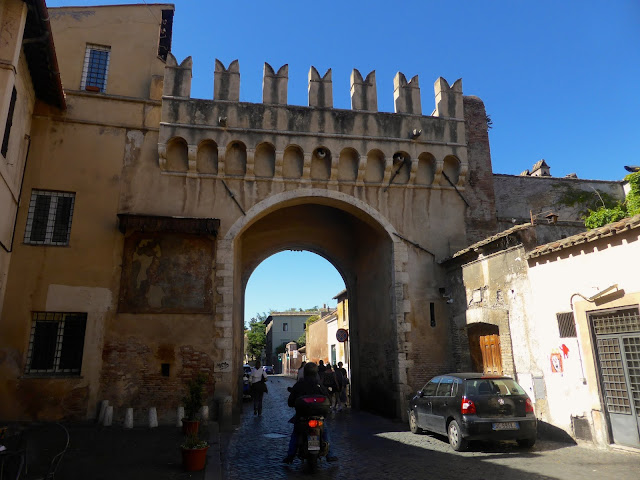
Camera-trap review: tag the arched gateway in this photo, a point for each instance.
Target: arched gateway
(362, 246)
(382, 196)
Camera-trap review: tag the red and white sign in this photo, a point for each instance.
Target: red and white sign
(342, 335)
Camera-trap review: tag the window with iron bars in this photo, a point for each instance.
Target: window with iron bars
(95, 69)
(566, 325)
(56, 343)
(49, 218)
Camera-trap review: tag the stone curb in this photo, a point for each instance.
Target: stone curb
(213, 468)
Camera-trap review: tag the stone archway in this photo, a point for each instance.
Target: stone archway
(361, 244)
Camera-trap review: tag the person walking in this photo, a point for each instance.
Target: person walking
(332, 383)
(258, 379)
(301, 371)
(342, 372)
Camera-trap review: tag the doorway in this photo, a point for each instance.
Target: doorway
(484, 347)
(617, 341)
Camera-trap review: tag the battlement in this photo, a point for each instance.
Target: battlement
(406, 94)
(275, 141)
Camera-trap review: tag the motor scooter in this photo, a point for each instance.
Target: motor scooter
(310, 413)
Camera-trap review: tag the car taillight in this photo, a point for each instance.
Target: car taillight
(315, 423)
(313, 399)
(467, 406)
(528, 408)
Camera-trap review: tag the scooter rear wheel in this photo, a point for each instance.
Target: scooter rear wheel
(312, 460)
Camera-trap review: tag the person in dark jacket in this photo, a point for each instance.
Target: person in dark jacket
(333, 383)
(308, 386)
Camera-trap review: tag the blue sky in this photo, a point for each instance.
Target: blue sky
(559, 79)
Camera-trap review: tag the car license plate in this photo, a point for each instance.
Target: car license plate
(506, 426)
(313, 443)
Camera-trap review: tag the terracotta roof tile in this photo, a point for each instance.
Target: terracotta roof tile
(589, 236)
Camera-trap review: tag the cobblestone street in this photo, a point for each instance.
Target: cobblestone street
(371, 447)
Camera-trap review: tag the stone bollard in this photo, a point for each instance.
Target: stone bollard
(180, 416)
(108, 417)
(204, 414)
(103, 409)
(225, 413)
(128, 418)
(153, 417)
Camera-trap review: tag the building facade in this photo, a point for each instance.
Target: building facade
(282, 328)
(144, 211)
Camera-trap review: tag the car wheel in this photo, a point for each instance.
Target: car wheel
(413, 423)
(526, 442)
(455, 437)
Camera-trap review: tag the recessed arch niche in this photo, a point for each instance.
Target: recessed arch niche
(207, 157)
(426, 169)
(177, 155)
(451, 167)
(401, 165)
(374, 172)
(264, 160)
(235, 160)
(292, 162)
(348, 165)
(321, 164)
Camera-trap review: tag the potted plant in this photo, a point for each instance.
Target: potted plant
(192, 403)
(194, 453)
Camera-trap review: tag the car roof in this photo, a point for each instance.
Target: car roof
(472, 375)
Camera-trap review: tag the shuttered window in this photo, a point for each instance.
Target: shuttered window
(49, 218)
(57, 343)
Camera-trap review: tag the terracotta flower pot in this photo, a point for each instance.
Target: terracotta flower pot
(190, 427)
(194, 459)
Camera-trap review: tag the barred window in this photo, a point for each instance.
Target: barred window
(566, 325)
(285, 327)
(49, 218)
(56, 344)
(96, 66)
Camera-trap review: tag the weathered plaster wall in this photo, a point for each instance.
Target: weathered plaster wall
(517, 195)
(13, 72)
(131, 31)
(555, 278)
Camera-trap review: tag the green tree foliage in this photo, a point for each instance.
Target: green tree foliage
(302, 341)
(256, 337)
(612, 213)
(281, 348)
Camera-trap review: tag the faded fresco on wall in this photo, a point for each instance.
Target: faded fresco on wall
(166, 273)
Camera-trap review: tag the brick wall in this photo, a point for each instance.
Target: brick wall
(131, 377)
(481, 216)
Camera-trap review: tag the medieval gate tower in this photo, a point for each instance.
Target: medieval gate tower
(382, 196)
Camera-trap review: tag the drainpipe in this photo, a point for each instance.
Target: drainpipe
(15, 218)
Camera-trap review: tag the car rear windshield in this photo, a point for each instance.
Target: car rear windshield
(493, 386)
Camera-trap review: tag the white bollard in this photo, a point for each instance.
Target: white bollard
(128, 418)
(153, 417)
(108, 417)
(180, 416)
(103, 409)
(204, 414)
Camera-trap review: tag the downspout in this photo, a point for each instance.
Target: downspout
(15, 218)
(575, 324)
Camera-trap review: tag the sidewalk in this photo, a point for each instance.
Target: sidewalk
(107, 453)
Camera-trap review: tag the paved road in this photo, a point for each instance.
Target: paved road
(371, 447)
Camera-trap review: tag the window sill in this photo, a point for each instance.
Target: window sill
(51, 376)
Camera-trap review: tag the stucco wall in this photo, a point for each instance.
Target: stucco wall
(555, 278)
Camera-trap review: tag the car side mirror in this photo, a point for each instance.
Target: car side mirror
(421, 393)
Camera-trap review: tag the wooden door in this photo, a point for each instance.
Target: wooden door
(491, 358)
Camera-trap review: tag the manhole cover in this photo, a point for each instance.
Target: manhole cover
(274, 435)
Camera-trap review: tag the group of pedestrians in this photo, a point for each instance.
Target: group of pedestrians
(335, 380)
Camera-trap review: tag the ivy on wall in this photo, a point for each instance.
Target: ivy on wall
(612, 213)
